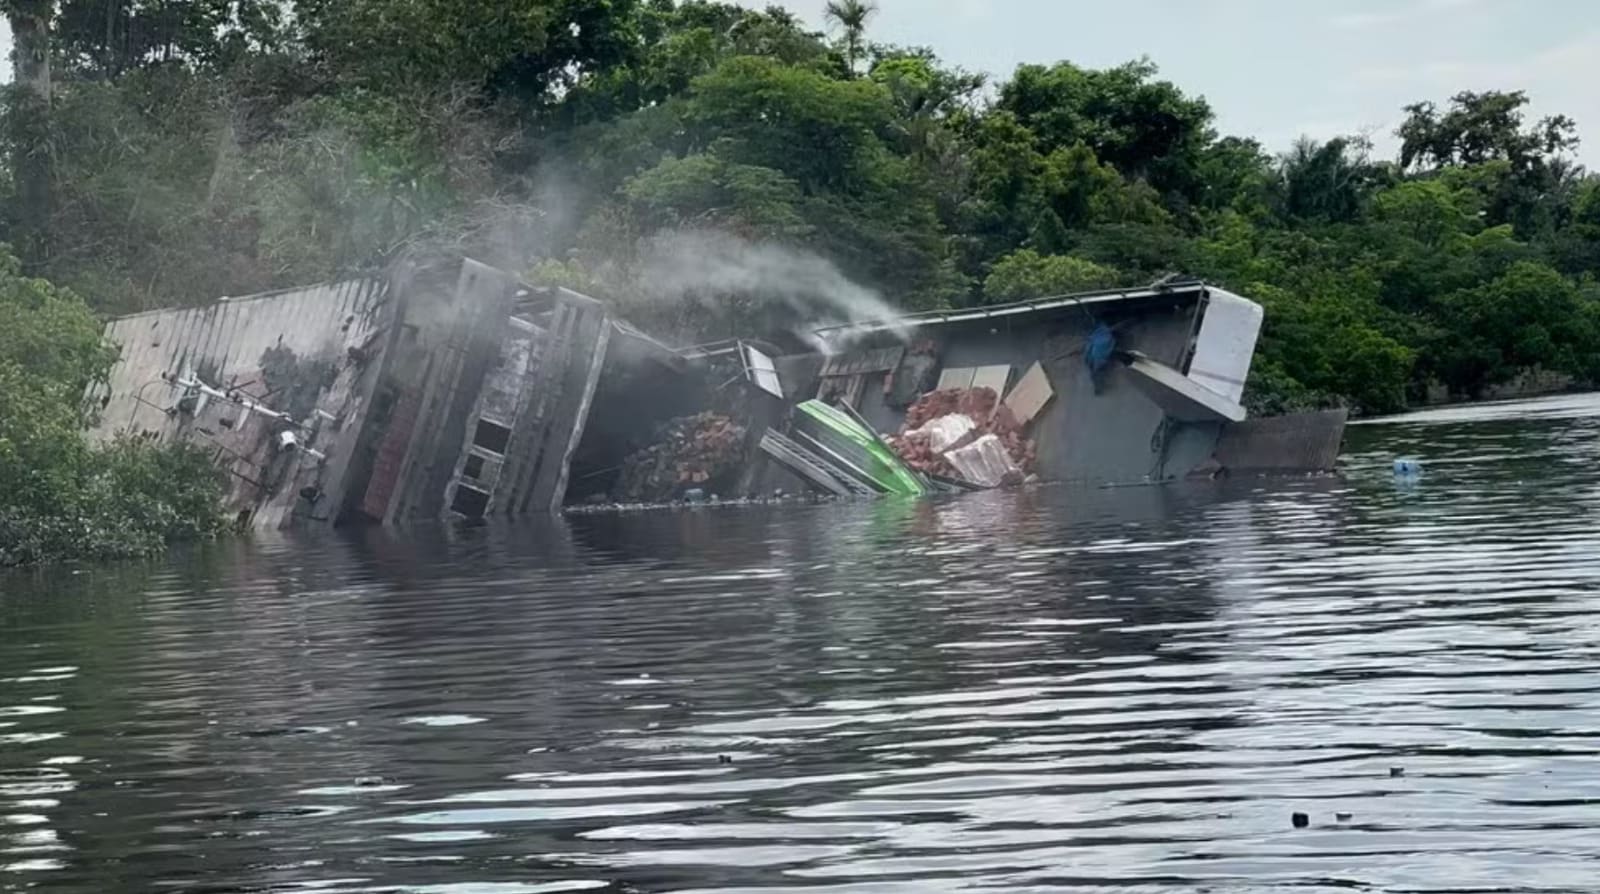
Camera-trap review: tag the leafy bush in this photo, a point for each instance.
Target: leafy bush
(60, 497)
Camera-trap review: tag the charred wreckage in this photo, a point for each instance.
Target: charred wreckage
(464, 392)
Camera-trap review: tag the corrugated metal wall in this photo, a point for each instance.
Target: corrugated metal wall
(252, 344)
(224, 342)
(1302, 442)
(1114, 434)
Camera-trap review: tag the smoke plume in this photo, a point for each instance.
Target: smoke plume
(704, 266)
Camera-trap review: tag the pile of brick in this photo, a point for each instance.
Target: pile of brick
(988, 415)
(701, 451)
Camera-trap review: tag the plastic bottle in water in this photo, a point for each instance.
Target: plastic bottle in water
(1407, 469)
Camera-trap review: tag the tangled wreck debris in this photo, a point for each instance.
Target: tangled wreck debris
(941, 425)
(432, 391)
(704, 451)
(1114, 387)
(460, 391)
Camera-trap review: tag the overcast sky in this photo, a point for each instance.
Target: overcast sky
(1276, 69)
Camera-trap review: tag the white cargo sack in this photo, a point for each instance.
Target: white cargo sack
(984, 462)
(946, 431)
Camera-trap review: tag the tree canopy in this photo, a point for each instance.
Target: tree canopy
(163, 152)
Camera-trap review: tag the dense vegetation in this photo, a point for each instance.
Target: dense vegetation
(161, 152)
(60, 497)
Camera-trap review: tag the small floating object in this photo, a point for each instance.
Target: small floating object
(724, 758)
(1344, 817)
(694, 495)
(1396, 772)
(1407, 469)
(1300, 820)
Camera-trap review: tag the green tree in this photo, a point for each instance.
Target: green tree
(59, 497)
(27, 123)
(926, 97)
(677, 42)
(107, 38)
(704, 190)
(163, 152)
(1328, 181)
(1519, 168)
(851, 16)
(530, 51)
(1478, 128)
(790, 151)
(1026, 274)
(1530, 316)
(1236, 174)
(1327, 347)
(1146, 129)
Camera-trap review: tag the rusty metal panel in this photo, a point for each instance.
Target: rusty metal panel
(501, 406)
(1300, 442)
(466, 327)
(391, 456)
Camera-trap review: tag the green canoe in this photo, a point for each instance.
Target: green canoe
(858, 445)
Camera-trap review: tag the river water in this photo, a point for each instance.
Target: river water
(1061, 690)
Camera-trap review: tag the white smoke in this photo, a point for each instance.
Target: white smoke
(698, 265)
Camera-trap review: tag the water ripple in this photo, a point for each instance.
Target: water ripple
(1059, 690)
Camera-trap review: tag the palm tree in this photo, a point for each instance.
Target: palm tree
(1327, 180)
(852, 16)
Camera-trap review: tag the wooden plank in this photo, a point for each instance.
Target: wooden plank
(856, 363)
(1031, 395)
(391, 456)
(856, 386)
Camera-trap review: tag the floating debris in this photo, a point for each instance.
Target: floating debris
(1300, 820)
(1407, 469)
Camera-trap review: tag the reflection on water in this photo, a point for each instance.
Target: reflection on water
(1051, 691)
